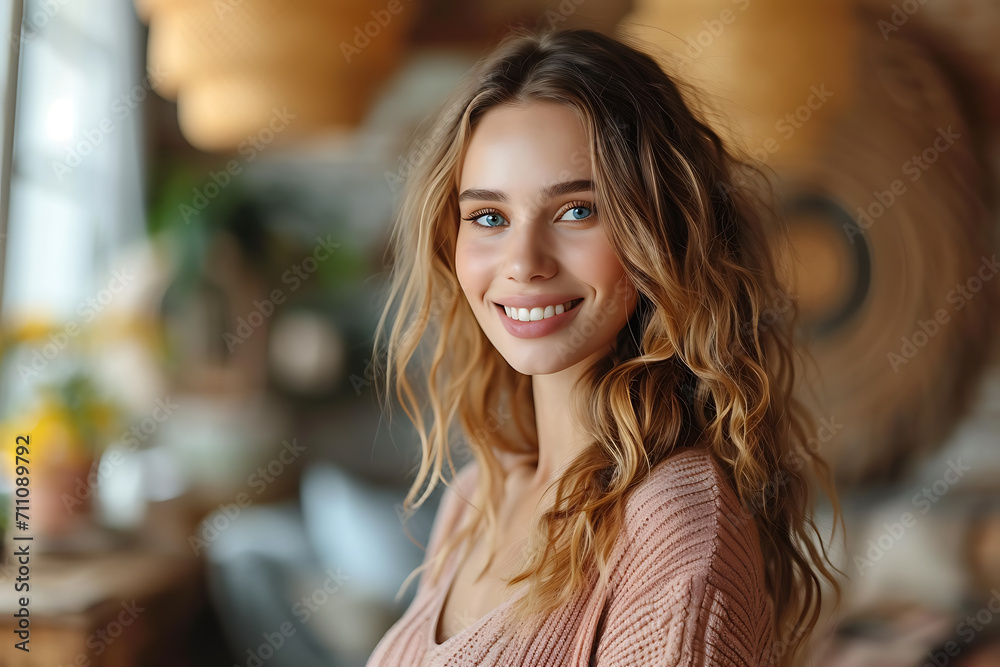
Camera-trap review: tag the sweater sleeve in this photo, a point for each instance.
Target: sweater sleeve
(690, 591)
(690, 624)
(449, 511)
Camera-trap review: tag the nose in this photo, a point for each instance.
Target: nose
(528, 253)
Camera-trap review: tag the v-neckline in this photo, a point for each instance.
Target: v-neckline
(442, 597)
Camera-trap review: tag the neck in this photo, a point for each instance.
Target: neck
(560, 439)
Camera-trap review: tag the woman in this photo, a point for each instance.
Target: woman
(587, 263)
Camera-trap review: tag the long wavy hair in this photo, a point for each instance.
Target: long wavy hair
(706, 358)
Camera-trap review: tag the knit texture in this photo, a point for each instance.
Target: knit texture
(686, 587)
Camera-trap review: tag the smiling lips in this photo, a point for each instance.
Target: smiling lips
(537, 321)
(539, 312)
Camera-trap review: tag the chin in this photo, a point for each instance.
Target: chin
(545, 360)
(536, 367)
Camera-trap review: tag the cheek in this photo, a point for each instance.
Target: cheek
(471, 269)
(607, 276)
(606, 271)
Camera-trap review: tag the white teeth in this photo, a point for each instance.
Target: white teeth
(536, 313)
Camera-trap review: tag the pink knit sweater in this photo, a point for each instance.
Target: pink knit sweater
(686, 588)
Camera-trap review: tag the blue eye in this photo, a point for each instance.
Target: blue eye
(491, 216)
(486, 213)
(576, 213)
(580, 211)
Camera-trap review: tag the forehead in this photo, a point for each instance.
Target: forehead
(525, 147)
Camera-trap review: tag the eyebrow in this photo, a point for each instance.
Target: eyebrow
(556, 190)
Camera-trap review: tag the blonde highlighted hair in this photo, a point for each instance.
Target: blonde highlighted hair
(706, 359)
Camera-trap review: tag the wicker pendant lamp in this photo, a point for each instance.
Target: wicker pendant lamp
(889, 254)
(243, 69)
(782, 69)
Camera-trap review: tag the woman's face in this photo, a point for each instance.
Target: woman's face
(531, 238)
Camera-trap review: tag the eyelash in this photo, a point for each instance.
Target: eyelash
(569, 207)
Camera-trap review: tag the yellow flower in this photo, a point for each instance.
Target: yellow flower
(53, 440)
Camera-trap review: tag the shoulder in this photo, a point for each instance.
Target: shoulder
(462, 486)
(687, 515)
(458, 491)
(688, 489)
(687, 580)
(456, 496)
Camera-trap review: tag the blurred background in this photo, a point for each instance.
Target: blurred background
(195, 197)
